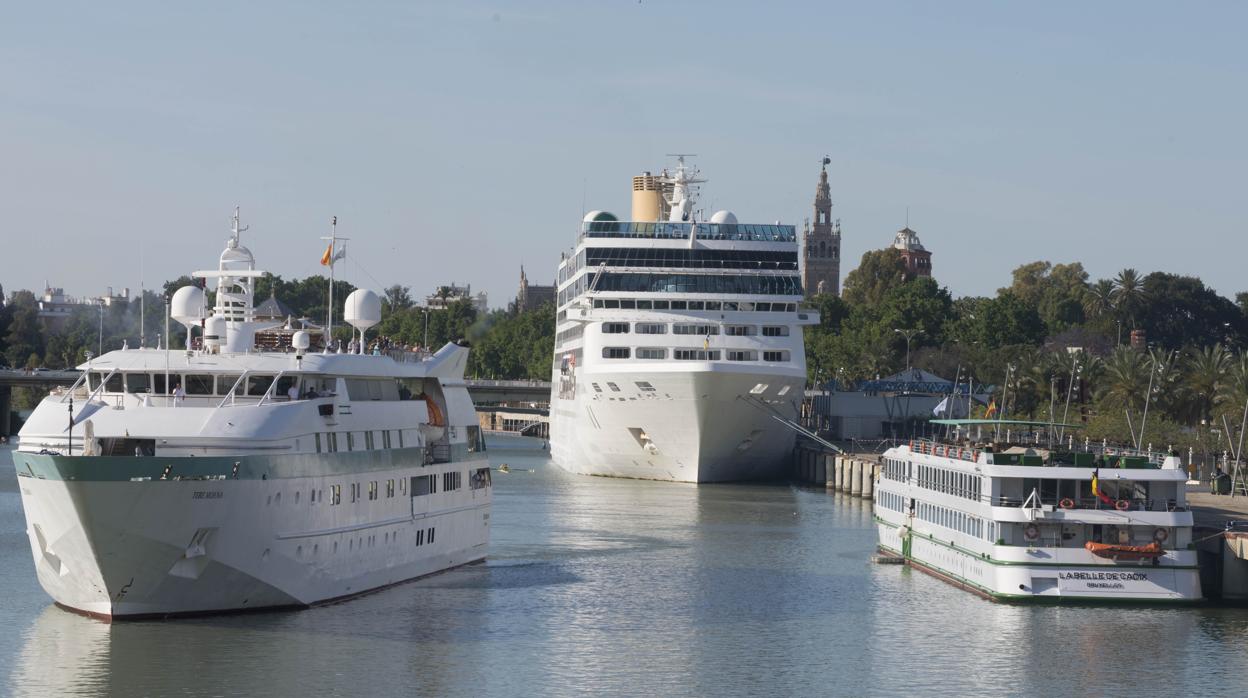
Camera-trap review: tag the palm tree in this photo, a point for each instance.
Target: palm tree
(1233, 390)
(1207, 371)
(1124, 381)
(1098, 301)
(1128, 294)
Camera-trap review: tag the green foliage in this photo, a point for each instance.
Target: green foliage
(879, 271)
(1181, 311)
(515, 345)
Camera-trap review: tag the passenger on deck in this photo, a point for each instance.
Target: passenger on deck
(293, 392)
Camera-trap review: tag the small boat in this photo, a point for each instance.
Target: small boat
(1152, 551)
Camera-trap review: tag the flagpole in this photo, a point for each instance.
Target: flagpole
(329, 323)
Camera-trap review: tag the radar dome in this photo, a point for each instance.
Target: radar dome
(187, 306)
(301, 340)
(363, 309)
(600, 217)
(724, 217)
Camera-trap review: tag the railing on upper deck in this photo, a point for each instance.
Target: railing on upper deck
(1110, 457)
(943, 450)
(1070, 503)
(680, 231)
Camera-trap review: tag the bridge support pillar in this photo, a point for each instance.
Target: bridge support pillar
(6, 406)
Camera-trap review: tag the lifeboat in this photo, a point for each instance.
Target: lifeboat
(1152, 551)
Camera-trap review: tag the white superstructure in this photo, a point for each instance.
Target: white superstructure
(1029, 523)
(679, 348)
(223, 478)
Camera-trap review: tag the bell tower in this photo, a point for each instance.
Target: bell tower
(821, 243)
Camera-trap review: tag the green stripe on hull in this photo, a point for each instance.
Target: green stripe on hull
(249, 467)
(1008, 563)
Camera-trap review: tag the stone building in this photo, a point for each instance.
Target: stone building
(532, 296)
(821, 244)
(917, 258)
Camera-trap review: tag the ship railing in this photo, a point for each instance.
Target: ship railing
(438, 453)
(944, 450)
(1094, 503)
(667, 230)
(405, 356)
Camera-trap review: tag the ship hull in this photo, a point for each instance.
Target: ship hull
(700, 425)
(116, 547)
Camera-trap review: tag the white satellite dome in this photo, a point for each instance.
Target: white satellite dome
(187, 306)
(363, 309)
(724, 217)
(301, 341)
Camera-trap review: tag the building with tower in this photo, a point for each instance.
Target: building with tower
(532, 296)
(917, 258)
(821, 243)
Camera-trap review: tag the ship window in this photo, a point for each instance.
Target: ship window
(368, 440)
(660, 305)
(350, 442)
(714, 305)
(597, 303)
(614, 388)
(615, 328)
(610, 303)
(432, 532)
(335, 492)
(695, 355)
(776, 356)
(627, 303)
(318, 441)
(651, 328)
(776, 331)
(695, 329)
(479, 479)
(284, 384)
(740, 330)
(678, 305)
(389, 488)
(615, 352)
(385, 439)
(730, 305)
(742, 355)
(476, 441)
(258, 385)
(645, 386)
(198, 384)
(372, 490)
(137, 382)
(644, 305)
(650, 353)
(762, 307)
(400, 438)
(423, 485)
(224, 383)
(696, 305)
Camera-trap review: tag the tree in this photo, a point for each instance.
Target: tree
(879, 271)
(1182, 312)
(1098, 302)
(397, 297)
(25, 336)
(1207, 370)
(1004, 321)
(1128, 295)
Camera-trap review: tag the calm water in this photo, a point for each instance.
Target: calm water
(617, 587)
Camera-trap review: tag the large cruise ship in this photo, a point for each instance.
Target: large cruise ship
(1030, 517)
(223, 477)
(679, 349)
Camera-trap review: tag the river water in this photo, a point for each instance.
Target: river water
(616, 587)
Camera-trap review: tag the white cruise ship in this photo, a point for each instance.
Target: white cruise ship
(226, 478)
(1024, 522)
(679, 349)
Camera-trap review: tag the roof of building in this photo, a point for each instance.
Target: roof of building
(273, 308)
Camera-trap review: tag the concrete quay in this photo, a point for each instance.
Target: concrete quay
(853, 474)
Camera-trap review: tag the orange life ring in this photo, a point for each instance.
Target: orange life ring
(1122, 505)
(1067, 503)
(1160, 535)
(1031, 532)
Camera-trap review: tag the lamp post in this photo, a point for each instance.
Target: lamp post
(101, 346)
(426, 340)
(908, 334)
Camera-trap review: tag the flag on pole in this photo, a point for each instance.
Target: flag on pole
(939, 409)
(327, 258)
(992, 409)
(1096, 488)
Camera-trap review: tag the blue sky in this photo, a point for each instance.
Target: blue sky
(456, 141)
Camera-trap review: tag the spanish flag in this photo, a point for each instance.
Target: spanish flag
(327, 258)
(1096, 488)
(992, 409)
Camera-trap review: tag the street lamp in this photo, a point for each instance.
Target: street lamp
(909, 334)
(101, 347)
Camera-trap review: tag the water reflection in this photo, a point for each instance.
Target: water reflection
(600, 586)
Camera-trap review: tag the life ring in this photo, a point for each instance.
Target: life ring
(1122, 505)
(1067, 503)
(1160, 535)
(1031, 532)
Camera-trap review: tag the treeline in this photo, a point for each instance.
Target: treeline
(1053, 336)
